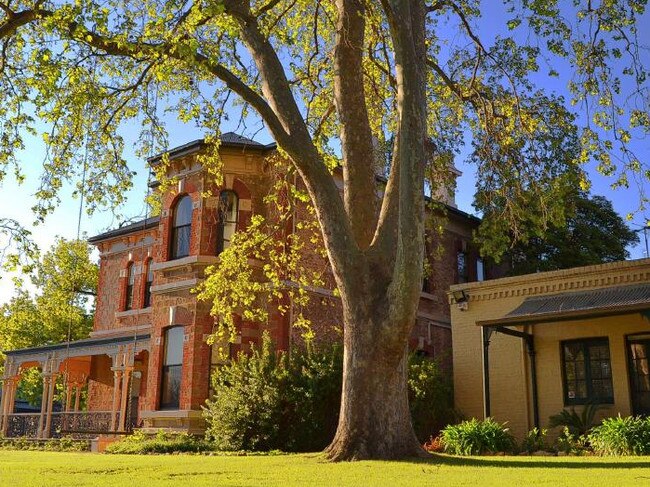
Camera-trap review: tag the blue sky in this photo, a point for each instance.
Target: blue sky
(17, 200)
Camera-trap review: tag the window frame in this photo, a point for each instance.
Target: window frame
(165, 369)
(586, 344)
(174, 230)
(130, 285)
(221, 223)
(464, 277)
(146, 293)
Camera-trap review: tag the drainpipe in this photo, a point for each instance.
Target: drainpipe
(486, 334)
(530, 345)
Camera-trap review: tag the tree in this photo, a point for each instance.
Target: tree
(330, 81)
(66, 280)
(593, 234)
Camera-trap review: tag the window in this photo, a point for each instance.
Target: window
(181, 228)
(587, 371)
(228, 215)
(147, 285)
(170, 389)
(461, 262)
(480, 270)
(130, 273)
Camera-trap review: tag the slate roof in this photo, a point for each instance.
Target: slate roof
(126, 229)
(567, 305)
(228, 139)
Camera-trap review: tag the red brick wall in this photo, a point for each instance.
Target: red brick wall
(431, 333)
(111, 289)
(100, 384)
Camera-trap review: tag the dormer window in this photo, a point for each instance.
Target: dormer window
(228, 216)
(181, 228)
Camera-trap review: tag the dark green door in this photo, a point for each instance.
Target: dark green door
(639, 356)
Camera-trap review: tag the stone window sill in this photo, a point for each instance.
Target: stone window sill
(133, 312)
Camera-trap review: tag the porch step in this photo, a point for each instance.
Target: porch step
(99, 444)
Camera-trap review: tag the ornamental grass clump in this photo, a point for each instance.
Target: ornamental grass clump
(621, 436)
(477, 437)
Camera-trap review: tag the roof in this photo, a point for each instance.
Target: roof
(126, 229)
(228, 139)
(448, 208)
(86, 342)
(569, 305)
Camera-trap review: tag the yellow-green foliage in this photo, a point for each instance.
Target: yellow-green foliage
(265, 264)
(65, 280)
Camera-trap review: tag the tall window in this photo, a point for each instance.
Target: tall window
(130, 273)
(480, 270)
(587, 371)
(170, 389)
(181, 228)
(228, 215)
(462, 267)
(147, 285)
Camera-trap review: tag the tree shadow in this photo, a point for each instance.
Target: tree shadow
(532, 462)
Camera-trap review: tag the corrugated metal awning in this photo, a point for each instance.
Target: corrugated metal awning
(577, 304)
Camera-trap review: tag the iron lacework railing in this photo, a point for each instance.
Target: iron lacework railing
(81, 424)
(23, 425)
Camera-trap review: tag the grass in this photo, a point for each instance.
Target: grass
(33, 468)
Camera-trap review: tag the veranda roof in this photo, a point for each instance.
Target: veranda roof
(633, 298)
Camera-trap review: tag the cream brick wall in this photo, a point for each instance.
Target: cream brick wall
(509, 369)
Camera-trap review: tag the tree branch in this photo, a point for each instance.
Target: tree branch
(356, 136)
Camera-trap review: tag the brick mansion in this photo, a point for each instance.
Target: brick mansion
(147, 363)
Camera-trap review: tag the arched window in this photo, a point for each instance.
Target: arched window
(228, 216)
(181, 228)
(170, 387)
(130, 273)
(146, 302)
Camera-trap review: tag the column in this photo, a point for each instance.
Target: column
(44, 396)
(117, 382)
(124, 403)
(3, 405)
(50, 401)
(77, 397)
(7, 404)
(68, 397)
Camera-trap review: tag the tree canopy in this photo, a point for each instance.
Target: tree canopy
(333, 83)
(593, 234)
(66, 281)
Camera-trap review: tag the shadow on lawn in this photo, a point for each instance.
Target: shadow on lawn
(528, 462)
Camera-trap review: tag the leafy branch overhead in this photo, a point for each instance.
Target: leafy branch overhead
(86, 68)
(335, 83)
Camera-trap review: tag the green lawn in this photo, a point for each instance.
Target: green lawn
(18, 468)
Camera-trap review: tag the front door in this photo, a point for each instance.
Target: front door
(639, 357)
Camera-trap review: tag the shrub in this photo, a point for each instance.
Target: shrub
(268, 400)
(571, 444)
(578, 424)
(431, 398)
(66, 443)
(475, 437)
(622, 436)
(534, 440)
(434, 445)
(140, 443)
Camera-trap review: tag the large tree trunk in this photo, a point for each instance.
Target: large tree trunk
(374, 421)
